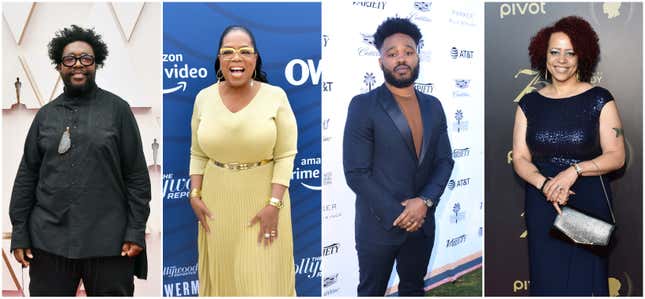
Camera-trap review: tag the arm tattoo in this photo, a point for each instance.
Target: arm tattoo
(619, 132)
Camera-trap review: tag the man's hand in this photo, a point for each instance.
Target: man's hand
(412, 218)
(130, 249)
(22, 254)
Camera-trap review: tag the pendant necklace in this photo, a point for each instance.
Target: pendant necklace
(65, 142)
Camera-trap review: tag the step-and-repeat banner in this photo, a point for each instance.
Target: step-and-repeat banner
(288, 35)
(451, 69)
(509, 26)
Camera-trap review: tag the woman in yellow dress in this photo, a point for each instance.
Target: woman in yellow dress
(244, 137)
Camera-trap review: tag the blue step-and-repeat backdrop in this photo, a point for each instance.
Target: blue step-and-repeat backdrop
(288, 36)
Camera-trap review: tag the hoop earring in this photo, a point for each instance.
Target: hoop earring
(255, 73)
(219, 75)
(578, 76)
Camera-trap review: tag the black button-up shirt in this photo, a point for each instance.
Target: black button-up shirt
(89, 200)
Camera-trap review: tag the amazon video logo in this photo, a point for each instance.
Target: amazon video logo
(307, 172)
(176, 69)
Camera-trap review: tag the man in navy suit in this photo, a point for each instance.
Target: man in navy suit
(397, 159)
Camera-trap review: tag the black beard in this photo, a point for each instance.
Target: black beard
(389, 77)
(76, 90)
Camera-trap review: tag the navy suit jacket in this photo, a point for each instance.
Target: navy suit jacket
(381, 165)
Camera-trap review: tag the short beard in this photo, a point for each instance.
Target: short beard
(389, 77)
(76, 90)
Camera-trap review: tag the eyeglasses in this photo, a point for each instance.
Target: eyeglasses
(229, 53)
(85, 59)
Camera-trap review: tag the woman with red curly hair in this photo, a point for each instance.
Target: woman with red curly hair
(565, 136)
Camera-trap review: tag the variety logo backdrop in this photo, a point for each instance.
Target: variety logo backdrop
(509, 26)
(451, 55)
(288, 36)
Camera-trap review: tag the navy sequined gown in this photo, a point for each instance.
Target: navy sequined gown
(562, 132)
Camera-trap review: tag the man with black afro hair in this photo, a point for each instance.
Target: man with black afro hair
(397, 159)
(80, 200)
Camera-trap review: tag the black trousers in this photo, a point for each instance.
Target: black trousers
(53, 275)
(375, 263)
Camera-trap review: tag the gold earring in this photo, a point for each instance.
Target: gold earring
(578, 75)
(255, 73)
(546, 75)
(219, 75)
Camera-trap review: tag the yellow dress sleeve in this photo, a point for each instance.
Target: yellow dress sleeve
(286, 144)
(198, 159)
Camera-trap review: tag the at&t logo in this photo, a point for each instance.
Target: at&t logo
(461, 54)
(452, 184)
(326, 86)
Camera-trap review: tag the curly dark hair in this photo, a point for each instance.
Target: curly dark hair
(396, 25)
(258, 74)
(72, 34)
(583, 38)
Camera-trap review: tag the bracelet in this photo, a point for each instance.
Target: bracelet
(275, 202)
(544, 184)
(195, 193)
(577, 168)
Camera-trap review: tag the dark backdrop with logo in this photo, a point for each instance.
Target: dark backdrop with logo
(509, 26)
(288, 35)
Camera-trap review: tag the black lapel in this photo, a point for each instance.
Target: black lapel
(426, 119)
(392, 109)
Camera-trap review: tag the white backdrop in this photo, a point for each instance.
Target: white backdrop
(452, 69)
(132, 70)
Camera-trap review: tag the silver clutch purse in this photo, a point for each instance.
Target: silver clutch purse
(584, 229)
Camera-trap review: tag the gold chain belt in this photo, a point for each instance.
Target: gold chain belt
(241, 166)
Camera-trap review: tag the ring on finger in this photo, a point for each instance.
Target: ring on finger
(267, 235)
(273, 233)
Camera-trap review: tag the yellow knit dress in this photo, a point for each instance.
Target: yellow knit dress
(231, 263)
